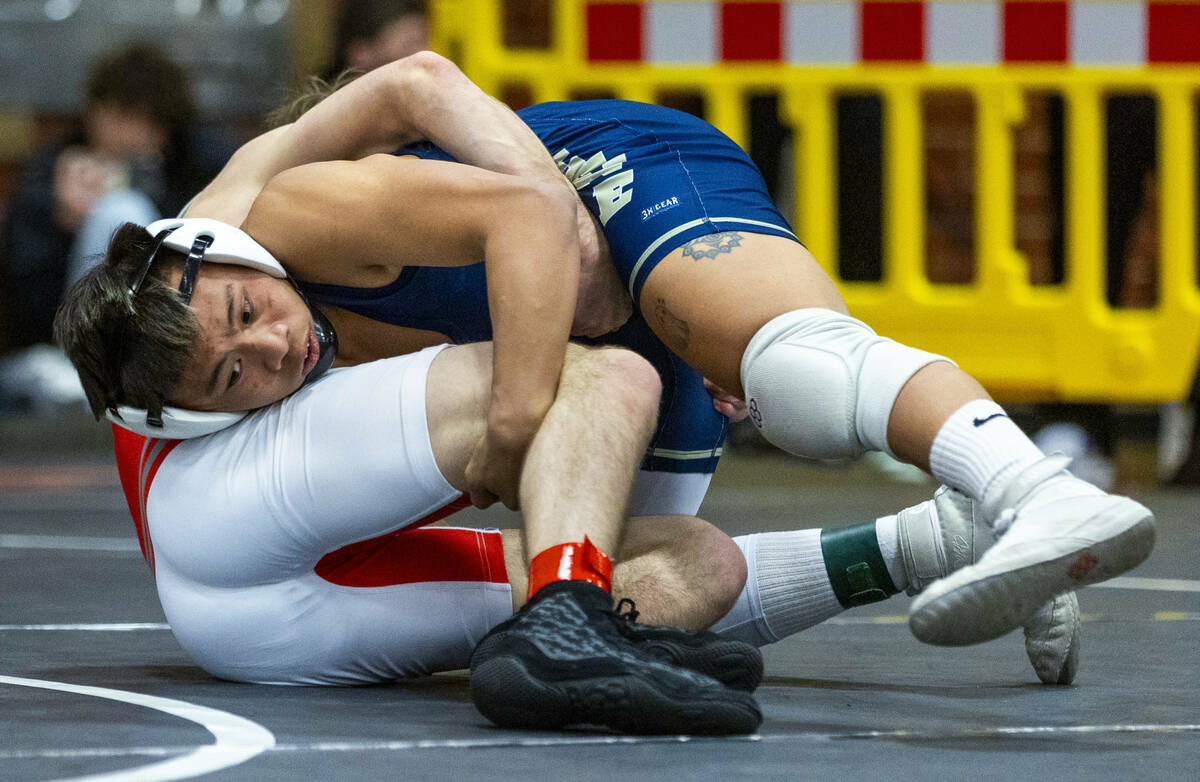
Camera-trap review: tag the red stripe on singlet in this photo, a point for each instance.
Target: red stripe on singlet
(409, 556)
(131, 450)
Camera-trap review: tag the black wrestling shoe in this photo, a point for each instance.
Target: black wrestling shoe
(735, 664)
(563, 660)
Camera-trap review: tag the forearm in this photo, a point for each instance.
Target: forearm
(532, 272)
(421, 97)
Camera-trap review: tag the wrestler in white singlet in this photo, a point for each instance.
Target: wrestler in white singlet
(288, 549)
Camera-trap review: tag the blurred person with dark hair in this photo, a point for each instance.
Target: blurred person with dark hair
(130, 157)
(129, 154)
(371, 33)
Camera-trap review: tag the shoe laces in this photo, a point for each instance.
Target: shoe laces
(630, 615)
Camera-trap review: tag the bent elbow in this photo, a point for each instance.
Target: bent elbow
(431, 64)
(554, 203)
(418, 75)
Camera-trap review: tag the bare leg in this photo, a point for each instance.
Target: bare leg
(759, 311)
(565, 658)
(680, 570)
(581, 464)
(708, 309)
(757, 280)
(925, 403)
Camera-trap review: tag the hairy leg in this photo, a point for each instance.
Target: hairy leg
(680, 570)
(580, 466)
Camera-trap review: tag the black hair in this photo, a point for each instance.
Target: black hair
(127, 349)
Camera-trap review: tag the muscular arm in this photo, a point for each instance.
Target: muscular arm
(358, 223)
(423, 96)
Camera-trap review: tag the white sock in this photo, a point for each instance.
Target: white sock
(887, 532)
(787, 588)
(979, 449)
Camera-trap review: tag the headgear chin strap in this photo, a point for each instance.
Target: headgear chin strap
(205, 240)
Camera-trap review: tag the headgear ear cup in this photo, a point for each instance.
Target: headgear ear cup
(229, 244)
(177, 423)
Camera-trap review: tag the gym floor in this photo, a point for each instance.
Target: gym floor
(92, 684)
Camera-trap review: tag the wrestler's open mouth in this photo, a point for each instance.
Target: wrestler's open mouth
(314, 352)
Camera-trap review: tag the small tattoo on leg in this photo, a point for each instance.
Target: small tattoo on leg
(672, 325)
(712, 245)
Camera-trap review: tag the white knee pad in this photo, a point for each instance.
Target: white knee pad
(821, 384)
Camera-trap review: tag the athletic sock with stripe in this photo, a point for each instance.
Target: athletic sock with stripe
(801, 578)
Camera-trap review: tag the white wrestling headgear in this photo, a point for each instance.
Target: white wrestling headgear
(203, 240)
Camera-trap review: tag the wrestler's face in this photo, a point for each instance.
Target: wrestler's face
(257, 342)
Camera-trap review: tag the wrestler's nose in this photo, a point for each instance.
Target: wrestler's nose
(271, 344)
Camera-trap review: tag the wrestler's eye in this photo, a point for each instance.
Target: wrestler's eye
(236, 374)
(247, 310)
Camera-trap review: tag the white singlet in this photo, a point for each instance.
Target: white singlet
(288, 549)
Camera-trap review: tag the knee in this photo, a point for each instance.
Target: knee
(727, 569)
(637, 374)
(628, 381)
(681, 570)
(822, 384)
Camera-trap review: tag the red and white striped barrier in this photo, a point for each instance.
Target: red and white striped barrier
(941, 32)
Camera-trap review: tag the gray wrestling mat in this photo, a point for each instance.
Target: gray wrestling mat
(93, 685)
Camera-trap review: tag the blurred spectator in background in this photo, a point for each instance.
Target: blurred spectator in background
(132, 158)
(370, 33)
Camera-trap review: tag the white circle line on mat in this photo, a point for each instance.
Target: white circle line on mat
(518, 741)
(237, 738)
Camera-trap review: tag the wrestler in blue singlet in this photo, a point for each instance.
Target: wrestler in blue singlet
(655, 178)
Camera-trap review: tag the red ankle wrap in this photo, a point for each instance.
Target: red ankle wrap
(570, 562)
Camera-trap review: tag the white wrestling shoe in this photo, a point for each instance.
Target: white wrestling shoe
(1052, 639)
(1055, 533)
(945, 534)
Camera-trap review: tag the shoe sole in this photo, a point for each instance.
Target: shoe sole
(967, 607)
(1054, 663)
(506, 693)
(732, 663)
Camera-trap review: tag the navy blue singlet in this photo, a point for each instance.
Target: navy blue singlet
(655, 178)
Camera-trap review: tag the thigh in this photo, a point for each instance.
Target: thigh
(706, 299)
(655, 178)
(399, 605)
(457, 393)
(689, 434)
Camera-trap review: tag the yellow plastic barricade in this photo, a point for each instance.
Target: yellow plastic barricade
(1023, 341)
